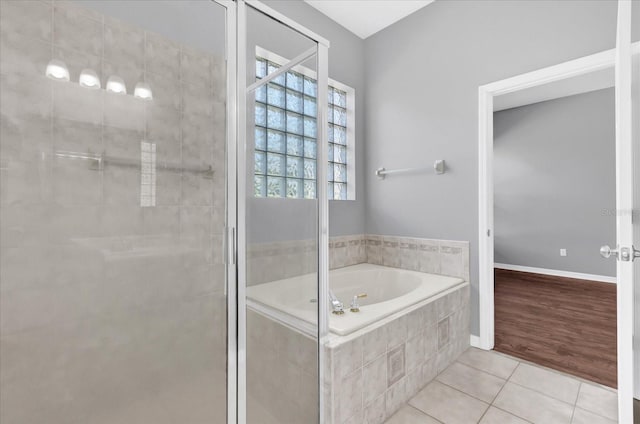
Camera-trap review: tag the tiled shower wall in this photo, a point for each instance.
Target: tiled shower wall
(445, 257)
(110, 312)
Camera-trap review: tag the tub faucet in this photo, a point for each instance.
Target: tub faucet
(355, 306)
(336, 305)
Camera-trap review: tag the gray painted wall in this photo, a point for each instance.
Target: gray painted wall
(422, 102)
(554, 183)
(280, 219)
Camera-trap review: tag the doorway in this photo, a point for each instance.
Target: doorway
(546, 84)
(554, 190)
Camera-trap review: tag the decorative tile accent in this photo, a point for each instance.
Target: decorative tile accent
(416, 254)
(374, 249)
(395, 365)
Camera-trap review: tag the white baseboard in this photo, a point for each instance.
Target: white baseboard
(557, 273)
(474, 341)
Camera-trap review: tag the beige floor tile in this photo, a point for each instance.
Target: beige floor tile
(600, 401)
(550, 383)
(580, 416)
(533, 406)
(410, 415)
(498, 416)
(489, 361)
(471, 381)
(448, 405)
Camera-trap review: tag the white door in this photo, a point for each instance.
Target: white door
(624, 251)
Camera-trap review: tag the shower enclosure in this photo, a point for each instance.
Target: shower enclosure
(149, 151)
(113, 209)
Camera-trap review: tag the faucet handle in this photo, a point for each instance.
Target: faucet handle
(355, 307)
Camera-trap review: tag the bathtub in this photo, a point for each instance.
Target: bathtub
(293, 302)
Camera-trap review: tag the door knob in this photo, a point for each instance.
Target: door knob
(606, 252)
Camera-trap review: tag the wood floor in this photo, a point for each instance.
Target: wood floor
(561, 323)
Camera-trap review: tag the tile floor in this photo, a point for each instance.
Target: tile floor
(492, 388)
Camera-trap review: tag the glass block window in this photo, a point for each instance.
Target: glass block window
(337, 171)
(286, 136)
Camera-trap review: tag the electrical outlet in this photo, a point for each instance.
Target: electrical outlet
(563, 252)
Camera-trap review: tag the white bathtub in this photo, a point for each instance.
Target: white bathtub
(292, 301)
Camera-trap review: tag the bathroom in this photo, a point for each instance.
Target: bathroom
(167, 254)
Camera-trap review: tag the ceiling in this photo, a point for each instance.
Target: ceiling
(366, 17)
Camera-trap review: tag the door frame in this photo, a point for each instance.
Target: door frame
(486, 95)
(231, 206)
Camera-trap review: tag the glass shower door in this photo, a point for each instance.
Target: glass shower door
(112, 212)
(280, 193)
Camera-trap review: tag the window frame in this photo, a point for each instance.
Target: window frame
(262, 53)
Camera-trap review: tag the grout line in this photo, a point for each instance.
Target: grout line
(500, 391)
(485, 412)
(505, 383)
(422, 412)
(487, 372)
(510, 413)
(458, 390)
(559, 372)
(575, 403)
(573, 411)
(539, 392)
(514, 371)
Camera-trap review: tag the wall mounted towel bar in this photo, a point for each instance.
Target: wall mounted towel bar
(438, 167)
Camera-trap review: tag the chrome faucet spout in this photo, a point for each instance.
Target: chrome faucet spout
(336, 305)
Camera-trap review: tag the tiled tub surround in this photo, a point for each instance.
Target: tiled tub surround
(373, 372)
(279, 260)
(443, 257)
(282, 373)
(284, 259)
(110, 312)
(370, 373)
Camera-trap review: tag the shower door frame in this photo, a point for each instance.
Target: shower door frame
(237, 233)
(230, 255)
